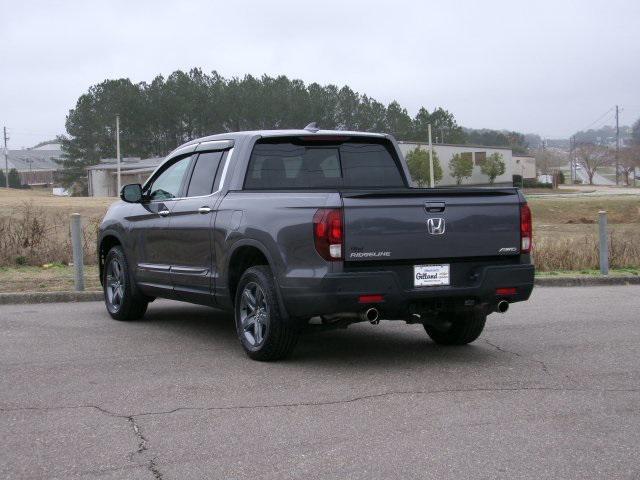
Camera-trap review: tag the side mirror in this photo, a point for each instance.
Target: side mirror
(131, 193)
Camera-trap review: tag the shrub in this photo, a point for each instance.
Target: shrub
(14, 178)
(419, 167)
(518, 181)
(30, 236)
(533, 183)
(582, 253)
(460, 167)
(561, 178)
(493, 167)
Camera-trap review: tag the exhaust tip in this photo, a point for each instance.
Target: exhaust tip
(503, 306)
(372, 316)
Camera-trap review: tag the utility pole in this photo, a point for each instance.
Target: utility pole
(572, 141)
(6, 159)
(617, 145)
(430, 159)
(118, 151)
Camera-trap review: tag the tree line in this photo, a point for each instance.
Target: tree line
(158, 116)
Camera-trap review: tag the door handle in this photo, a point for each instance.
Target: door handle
(434, 207)
(204, 210)
(164, 213)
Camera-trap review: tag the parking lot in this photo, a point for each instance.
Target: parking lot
(551, 390)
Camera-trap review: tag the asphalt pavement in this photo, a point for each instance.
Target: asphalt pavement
(551, 390)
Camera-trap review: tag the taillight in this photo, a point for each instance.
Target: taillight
(526, 229)
(328, 233)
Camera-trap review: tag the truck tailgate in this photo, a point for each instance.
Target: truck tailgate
(431, 224)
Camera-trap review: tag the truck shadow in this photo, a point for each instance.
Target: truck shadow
(389, 344)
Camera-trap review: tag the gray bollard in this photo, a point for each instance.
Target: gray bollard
(76, 243)
(604, 247)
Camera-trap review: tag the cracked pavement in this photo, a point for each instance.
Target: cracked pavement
(550, 390)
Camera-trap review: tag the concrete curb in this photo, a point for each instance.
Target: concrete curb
(586, 281)
(49, 297)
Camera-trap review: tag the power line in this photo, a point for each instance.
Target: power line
(23, 132)
(597, 120)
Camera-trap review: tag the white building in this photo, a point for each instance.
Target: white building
(102, 179)
(525, 165)
(477, 154)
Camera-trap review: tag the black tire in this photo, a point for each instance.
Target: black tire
(458, 329)
(262, 330)
(130, 304)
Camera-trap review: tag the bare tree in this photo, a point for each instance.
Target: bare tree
(549, 160)
(592, 157)
(629, 161)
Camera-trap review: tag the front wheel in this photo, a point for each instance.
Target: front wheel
(263, 331)
(122, 300)
(457, 328)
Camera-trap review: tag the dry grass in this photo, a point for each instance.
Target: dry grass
(34, 229)
(34, 226)
(566, 232)
(57, 278)
(554, 210)
(580, 252)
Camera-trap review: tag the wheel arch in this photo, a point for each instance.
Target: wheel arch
(245, 254)
(108, 240)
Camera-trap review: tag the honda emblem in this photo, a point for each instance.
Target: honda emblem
(436, 226)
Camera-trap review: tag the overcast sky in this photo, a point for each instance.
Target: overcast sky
(546, 67)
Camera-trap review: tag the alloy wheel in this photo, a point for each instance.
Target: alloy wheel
(115, 284)
(254, 314)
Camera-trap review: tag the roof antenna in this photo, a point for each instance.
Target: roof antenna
(312, 127)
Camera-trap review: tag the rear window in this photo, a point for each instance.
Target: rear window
(290, 164)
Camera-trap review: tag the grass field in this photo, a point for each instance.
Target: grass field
(34, 226)
(34, 230)
(57, 278)
(87, 206)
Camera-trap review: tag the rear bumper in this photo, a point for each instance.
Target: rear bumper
(340, 292)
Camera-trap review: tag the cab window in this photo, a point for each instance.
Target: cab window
(167, 185)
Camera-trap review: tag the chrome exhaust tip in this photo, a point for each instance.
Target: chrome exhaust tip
(502, 306)
(372, 316)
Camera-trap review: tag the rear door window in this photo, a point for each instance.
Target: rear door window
(204, 172)
(288, 164)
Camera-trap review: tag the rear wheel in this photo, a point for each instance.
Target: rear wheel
(262, 330)
(457, 328)
(120, 295)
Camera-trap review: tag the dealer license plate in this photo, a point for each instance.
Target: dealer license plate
(430, 275)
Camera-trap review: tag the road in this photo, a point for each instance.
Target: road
(581, 173)
(551, 390)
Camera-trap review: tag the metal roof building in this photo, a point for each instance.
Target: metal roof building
(102, 178)
(36, 166)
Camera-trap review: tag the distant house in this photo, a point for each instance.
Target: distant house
(525, 165)
(35, 166)
(476, 153)
(102, 179)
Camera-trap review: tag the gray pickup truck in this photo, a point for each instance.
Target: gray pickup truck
(295, 227)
